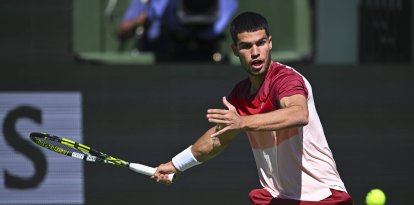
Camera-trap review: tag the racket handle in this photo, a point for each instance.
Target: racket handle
(146, 170)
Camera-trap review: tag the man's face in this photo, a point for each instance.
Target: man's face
(253, 50)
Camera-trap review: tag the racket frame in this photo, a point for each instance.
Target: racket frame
(87, 153)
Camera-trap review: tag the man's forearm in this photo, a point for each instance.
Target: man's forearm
(294, 116)
(207, 147)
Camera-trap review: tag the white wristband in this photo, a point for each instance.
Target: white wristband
(185, 160)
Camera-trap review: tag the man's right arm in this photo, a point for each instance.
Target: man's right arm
(205, 148)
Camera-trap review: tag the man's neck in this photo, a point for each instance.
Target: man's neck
(256, 83)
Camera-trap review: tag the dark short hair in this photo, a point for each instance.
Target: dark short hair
(248, 22)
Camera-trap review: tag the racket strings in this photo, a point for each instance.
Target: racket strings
(55, 146)
(71, 148)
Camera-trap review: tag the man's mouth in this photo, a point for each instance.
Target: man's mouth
(256, 64)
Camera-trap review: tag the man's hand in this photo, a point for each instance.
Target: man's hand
(161, 175)
(226, 120)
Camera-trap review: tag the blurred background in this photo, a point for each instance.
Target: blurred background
(135, 78)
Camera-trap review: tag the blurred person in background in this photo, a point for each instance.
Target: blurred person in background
(141, 21)
(167, 28)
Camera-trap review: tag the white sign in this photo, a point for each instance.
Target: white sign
(31, 174)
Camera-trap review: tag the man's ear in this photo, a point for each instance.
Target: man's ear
(270, 42)
(235, 50)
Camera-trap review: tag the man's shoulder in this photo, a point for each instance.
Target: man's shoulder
(279, 69)
(241, 88)
(243, 83)
(282, 74)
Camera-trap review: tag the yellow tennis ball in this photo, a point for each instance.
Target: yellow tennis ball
(375, 197)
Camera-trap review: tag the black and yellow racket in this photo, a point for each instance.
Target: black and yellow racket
(73, 149)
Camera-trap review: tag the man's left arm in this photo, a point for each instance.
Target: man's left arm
(293, 113)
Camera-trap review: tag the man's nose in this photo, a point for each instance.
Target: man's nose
(255, 51)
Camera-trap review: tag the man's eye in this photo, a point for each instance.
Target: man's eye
(245, 46)
(261, 43)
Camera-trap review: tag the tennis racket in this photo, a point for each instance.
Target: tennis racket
(73, 149)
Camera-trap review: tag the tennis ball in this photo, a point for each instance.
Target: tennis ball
(375, 197)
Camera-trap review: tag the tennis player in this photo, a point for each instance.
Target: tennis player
(275, 107)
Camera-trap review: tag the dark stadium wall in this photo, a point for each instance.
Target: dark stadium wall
(149, 113)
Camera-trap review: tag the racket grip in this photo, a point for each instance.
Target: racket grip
(146, 170)
(142, 169)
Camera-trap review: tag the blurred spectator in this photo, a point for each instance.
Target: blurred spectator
(142, 21)
(164, 27)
